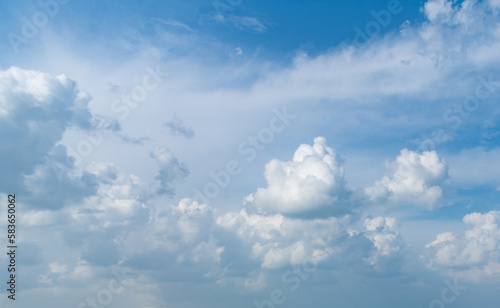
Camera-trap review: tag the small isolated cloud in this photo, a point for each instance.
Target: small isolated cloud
(244, 23)
(176, 127)
(441, 238)
(474, 255)
(415, 179)
(171, 170)
(236, 52)
(173, 23)
(311, 184)
(57, 268)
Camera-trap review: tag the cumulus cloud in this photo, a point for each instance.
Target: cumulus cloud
(304, 216)
(114, 220)
(386, 258)
(99, 223)
(171, 170)
(178, 242)
(474, 255)
(311, 184)
(276, 241)
(415, 179)
(35, 110)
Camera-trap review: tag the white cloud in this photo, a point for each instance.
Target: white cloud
(387, 256)
(438, 10)
(475, 254)
(415, 178)
(57, 268)
(120, 216)
(382, 242)
(173, 23)
(244, 23)
(35, 110)
(442, 238)
(277, 241)
(117, 203)
(312, 183)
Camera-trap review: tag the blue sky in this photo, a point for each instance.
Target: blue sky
(252, 153)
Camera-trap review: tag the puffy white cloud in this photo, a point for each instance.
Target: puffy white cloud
(311, 184)
(475, 254)
(191, 219)
(35, 110)
(386, 258)
(382, 232)
(175, 240)
(416, 179)
(276, 241)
